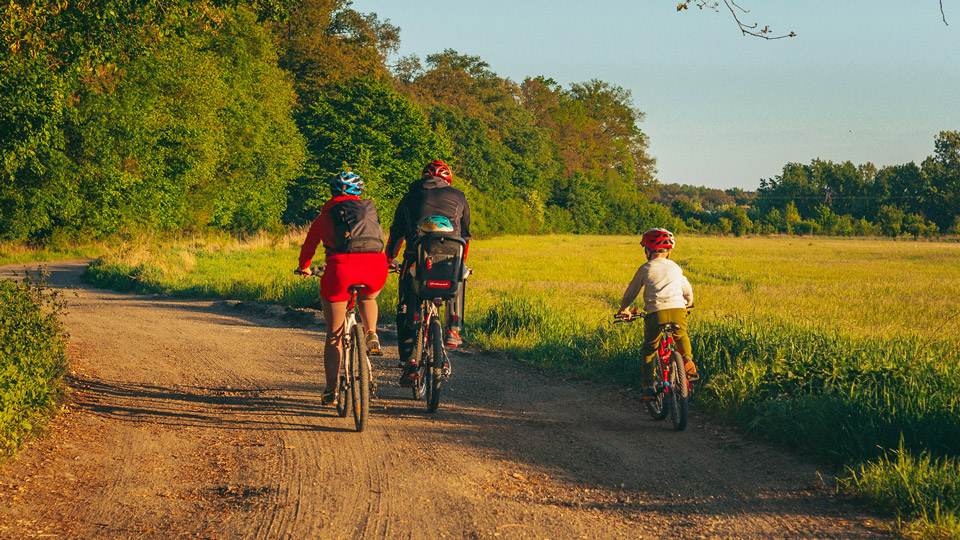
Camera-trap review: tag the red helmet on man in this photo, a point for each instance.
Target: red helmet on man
(437, 168)
(657, 239)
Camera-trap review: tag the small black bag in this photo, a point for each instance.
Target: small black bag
(356, 227)
(439, 269)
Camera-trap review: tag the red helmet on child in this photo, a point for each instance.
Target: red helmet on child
(437, 168)
(657, 239)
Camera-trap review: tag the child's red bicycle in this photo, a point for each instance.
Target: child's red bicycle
(672, 385)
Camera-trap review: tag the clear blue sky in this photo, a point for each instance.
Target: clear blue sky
(862, 81)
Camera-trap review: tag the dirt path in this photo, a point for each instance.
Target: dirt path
(195, 419)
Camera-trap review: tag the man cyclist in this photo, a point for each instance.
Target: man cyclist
(431, 195)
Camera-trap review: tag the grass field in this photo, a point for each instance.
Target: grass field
(848, 349)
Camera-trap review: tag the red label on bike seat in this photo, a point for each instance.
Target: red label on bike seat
(438, 284)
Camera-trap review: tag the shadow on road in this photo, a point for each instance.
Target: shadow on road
(221, 408)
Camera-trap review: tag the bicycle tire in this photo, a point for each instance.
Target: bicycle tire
(434, 366)
(659, 407)
(419, 352)
(343, 389)
(359, 378)
(679, 392)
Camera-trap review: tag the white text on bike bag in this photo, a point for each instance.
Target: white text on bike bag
(439, 267)
(356, 227)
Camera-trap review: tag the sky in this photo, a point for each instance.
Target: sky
(863, 81)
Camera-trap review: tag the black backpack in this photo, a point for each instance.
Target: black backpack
(356, 227)
(439, 269)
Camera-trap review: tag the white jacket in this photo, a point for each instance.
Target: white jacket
(664, 287)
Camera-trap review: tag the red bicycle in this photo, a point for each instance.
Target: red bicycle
(671, 383)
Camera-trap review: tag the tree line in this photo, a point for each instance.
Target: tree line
(120, 115)
(836, 199)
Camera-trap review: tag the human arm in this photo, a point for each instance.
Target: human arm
(633, 290)
(687, 292)
(465, 226)
(309, 247)
(398, 230)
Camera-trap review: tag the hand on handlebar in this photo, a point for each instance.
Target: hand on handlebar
(393, 265)
(313, 271)
(626, 314)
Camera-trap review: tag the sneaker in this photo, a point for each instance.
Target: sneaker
(410, 375)
(373, 344)
(327, 398)
(691, 370)
(649, 394)
(453, 339)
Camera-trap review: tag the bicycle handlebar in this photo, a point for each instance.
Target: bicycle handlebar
(315, 271)
(637, 315)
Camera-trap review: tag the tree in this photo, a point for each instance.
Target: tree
(890, 219)
(941, 180)
(740, 224)
(365, 125)
(325, 42)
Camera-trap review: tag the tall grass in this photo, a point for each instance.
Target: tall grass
(257, 268)
(847, 349)
(32, 358)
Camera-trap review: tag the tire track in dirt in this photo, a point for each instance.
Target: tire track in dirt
(195, 419)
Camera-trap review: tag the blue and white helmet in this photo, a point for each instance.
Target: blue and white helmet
(435, 224)
(347, 183)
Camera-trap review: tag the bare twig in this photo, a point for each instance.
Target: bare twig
(746, 29)
(942, 14)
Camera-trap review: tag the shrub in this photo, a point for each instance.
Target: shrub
(33, 359)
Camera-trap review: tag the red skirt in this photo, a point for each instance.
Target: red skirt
(346, 269)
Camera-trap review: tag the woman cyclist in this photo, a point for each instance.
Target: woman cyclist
(349, 229)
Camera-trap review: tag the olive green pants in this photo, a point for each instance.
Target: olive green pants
(652, 325)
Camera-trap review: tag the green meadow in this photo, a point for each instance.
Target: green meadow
(846, 348)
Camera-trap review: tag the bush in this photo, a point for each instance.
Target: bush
(33, 359)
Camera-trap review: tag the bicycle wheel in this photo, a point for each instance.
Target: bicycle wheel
(679, 392)
(343, 389)
(419, 352)
(359, 377)
(659, 407)
(435, 365)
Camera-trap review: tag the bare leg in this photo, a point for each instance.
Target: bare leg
(335, 314)
(369, 311)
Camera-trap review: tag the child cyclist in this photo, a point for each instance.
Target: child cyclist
(667, 296)
(349, 229)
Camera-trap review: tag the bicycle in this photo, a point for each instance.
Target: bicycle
(672, 385)
(355, 384)
(433, 363)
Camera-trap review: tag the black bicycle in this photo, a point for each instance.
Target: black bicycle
(434, 365)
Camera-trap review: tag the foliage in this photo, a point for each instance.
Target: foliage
(324, 43)
(164, 116)
(32, 358)
(366, 126)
